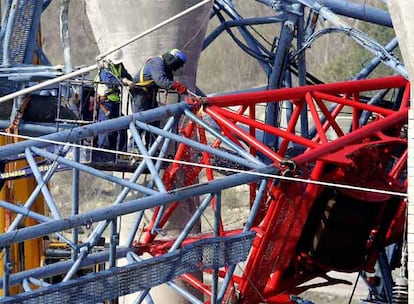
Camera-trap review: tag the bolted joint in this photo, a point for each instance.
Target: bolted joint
(115, 238)
(9, 266)
(287, 167)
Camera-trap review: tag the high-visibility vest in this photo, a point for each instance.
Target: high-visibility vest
(104, 90)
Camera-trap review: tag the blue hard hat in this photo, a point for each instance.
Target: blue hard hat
(179, 54)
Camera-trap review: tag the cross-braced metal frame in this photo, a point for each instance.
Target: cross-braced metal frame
(287, 170)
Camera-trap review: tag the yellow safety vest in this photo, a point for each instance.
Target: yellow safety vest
(103, 89)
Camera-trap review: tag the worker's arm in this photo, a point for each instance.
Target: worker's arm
(127, 82)
(125, 76)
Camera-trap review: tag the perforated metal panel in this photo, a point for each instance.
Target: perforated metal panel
(210, 253)
(24, 31)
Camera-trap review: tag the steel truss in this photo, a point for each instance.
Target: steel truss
(278, 206)
(295, 175)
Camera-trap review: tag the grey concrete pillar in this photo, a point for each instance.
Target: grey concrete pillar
(114, 22)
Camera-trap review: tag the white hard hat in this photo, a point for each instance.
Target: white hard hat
(115, 57)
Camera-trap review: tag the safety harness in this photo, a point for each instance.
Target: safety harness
(143, 84)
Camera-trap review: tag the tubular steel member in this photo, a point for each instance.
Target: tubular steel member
(288, 216)
(291, 244)
(318, 198)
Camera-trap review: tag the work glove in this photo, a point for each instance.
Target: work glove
(179, 87)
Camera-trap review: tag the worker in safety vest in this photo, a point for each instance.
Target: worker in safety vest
(157, 72)
(109, 81)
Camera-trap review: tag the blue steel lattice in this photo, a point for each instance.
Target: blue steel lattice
(205, 254)
(274, 62)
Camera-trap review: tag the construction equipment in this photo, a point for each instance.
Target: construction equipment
(320, 184)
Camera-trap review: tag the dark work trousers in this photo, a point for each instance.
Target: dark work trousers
(142, 101)
(111, 140)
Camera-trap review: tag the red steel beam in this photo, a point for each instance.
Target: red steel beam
(351, 138)
(346, 87)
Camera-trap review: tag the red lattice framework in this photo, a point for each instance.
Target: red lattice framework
(306, 229)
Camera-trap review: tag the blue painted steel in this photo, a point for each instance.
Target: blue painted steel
(133, 206)
(386, 275)
(184, 293)
(63, 266)
(277, 75)
(76, 134)
(26, 285)
(114, 242)
(198, 145)
(24, 211)
(187, 229)
(251, 41)
(304, 128)
(222, 138)
(288, 105)
(143, 274)
(242, 22)
(4, 20)
(254, 48)
(154, 173)
(217, 222)
(42, 56)
(29, 68)
(26, 77)
(45, 191)
(376, 61)
(30, 201)
(359, 37)
(190, 224)
(9, 33)
(7, 267)
(255, 208)
(19, 40)
(345, 8)
(168, 126)
(34, 25)
(35, 130)
(93, 171)
(359, 11)
(148, 162)
(75, 199)
(46, 4)
(38, 282)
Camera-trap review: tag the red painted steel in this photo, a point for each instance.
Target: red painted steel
(302, 228)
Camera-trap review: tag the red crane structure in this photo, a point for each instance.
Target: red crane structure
(314, 177)
(334, 203)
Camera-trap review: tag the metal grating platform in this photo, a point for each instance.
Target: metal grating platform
(210, 253)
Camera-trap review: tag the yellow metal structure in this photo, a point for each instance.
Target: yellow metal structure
(29, 254)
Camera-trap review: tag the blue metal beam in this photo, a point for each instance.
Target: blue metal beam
(63, 266)
(343, 7)
(277, 76)
(242, 22)
(359, 11)
(102, 214)
(228, 7)
(76, 134)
